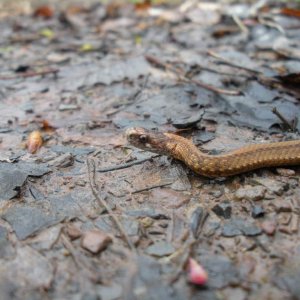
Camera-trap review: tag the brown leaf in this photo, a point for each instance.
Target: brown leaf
(143, 5)
(44, 11)
(34, 142)
(292, 12)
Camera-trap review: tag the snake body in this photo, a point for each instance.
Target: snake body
(234, 162)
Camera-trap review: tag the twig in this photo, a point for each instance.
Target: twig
(31, 74)
(95, 191)
(271, 24)
(230, 63)
(240, 24)
(283, 119)
(151, 187)
(183, 77)
(126, 165)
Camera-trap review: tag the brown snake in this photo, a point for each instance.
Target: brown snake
(234, 162)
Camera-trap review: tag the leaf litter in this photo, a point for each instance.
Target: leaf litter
(224, 74)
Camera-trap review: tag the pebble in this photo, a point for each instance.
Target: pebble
(160, 249)
(197, 216)
(253, 193)
(95, 240)
(282, 205)
(269, 227)
(257, 211)
(273, 186)
(239, 226)
(73, 232)
(285, 172)
(223, 210)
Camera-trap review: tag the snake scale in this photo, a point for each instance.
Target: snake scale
(234, 162)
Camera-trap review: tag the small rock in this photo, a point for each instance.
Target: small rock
(146, 222)
(211, 228)
(203, 137)
(239, 226)
(285, 172)
(282, 205)
(160, 249)
(197, 218)
(257, 211)
(273, 186)
(230, 230)
(80, 182)
(147, 212)
(63, 161)
(217, 194)
(269, 227)
(95, 241)
(253, 193)
(223, 210)
(221, 272)
(187, 121)
(73, 232)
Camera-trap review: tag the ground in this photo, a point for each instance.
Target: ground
(85, 215)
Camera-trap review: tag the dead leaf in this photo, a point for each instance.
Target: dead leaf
(34, 142)
(292, 12)
(44, 11)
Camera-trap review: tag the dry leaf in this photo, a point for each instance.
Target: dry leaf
(44, 11)
(34, 142)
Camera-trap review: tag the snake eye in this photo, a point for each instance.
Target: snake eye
(143, 138)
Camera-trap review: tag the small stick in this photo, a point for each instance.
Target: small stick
(240, 24)
(95, 191)
(30, 74)
(283, 119)
(230, 63)
(182, 76)
(151, 187)
(126, 165)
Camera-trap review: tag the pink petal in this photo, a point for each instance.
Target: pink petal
(196, 273)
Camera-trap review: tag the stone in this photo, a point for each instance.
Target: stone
(73, 231)
(273, 186)
(269, 227)
(285, 172)
(282, 205)
(160, 249)
(14, 175)
(223, 209)
(28, 268)
(147, 212)
(28, 220)
(257, 211)
(239, 226)
(95, 240)
(221, 271)
(197, 217)
(252, 193)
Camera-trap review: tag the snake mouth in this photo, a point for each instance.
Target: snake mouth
(145, 139)
(139, 137)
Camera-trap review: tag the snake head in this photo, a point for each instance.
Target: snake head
(148, 140)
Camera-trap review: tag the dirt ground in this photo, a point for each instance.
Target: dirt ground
(85, 215)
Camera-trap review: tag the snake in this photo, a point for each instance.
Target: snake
(244, 159)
